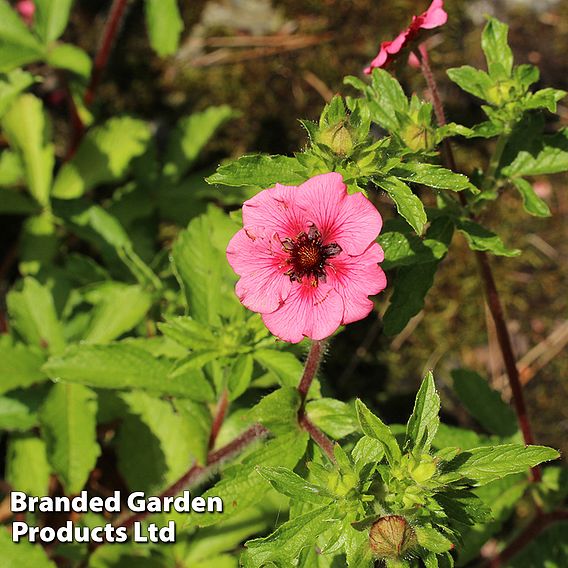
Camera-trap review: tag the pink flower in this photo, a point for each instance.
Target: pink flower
(26, 9)
(307, 257)
(434, 17)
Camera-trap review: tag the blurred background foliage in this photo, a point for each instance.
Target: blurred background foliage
(275, 62)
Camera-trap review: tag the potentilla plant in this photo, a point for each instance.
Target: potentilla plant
(154, 370)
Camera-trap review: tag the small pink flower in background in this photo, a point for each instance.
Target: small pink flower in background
(307, 257)
(434, 17)
(26, 9)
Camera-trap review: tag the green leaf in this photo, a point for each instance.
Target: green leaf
(429, 538)
(22, 553)
(259, 170)
(433, 176)
(463, 506)
(292, 485)
(119, 366)
(33, 316)
(286, 543)
(11, 85)
(423, 423)
(51, 17)
(387, 101)
(164, 24)
(407, 204)
(410, 288)
(198, 419)
(483, 403)
(284, 365)
(480, 238)
(473, 81)
(532, 203)
(240, 376)
(104, 156)
(118, 308)
(367, 450)
(68, 424)
(242, 487)
(190, 136)
(541, 156)
(374, 427)
(189, 333)
(485, 464)
(545, 98)
(154, 444)
(71, 58)
(21, 366)
(17, 413)
(15, 203)
(333, 417)
(199, 258)
(18, 45)
(27, 128)
(278, 411)
(497, 51)
(27, 468)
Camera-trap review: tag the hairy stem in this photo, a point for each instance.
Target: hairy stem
(491, 292)
(317, 436)
(527, 535)
(220, 414)
(311, 367)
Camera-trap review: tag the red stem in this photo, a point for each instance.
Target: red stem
(311, 367)
(530, 532)
(491, 293)
(222, 407)
(112, 25)
(317, 435)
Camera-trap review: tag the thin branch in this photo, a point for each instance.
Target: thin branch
(491, 293)
(527, 535)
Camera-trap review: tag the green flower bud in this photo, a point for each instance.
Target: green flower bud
(337, 137)
(424, 470)
(391, 537)
(417, 137)
(500, 93)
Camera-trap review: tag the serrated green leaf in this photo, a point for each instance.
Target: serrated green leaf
(118, 308)
(259, 170)
(240, 376)
(286, 543)
(71, 58)
(188, 333)
(471, 80)
(33, 316)
(104, 156)
(18, 45)
(483, 403)
(463, 506)
(532, 203)
(335, 418)
(410, 288)
(190, 136)
(199, 258)
(242, 487)
(407, 204)
(423, 423)
(27, 468)
(496, 48)
(50, 18)
(386, 100)
(285, 366)
(16, 414)
(374, 427)
(292, 485)
(433, 176)
(21, 366)
(429, 538)
(22, 553)
(485, 464)
(118, 366)
(164, 24)
(154, 443)
(545, 98)
(26, 126)
(367, 451)
(278, 411)
(68, 424)
(480, 238)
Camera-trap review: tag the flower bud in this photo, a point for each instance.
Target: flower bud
(391, 537)
(417, 137)
(338, 138)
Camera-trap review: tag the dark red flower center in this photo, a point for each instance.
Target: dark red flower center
(308, 256)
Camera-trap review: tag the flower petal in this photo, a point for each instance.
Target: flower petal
(435, 16)
(355, 278)
(274, 209)
(351, 221)
(314, 312)
(261, 263)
